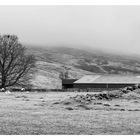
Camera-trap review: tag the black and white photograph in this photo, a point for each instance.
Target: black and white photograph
(69, 69)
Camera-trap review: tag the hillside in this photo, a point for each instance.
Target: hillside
(50, 62)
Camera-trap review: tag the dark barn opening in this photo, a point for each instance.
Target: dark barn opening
(101, 86)
(68, 83)
(85, 85)
(119, 85)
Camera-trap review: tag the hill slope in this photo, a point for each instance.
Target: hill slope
(50, 62)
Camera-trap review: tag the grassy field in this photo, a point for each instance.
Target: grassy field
(48, 113)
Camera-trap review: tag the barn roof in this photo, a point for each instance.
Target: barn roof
(109, 79)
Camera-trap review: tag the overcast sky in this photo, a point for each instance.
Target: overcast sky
(114, 28)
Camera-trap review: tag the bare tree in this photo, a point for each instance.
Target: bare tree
(16, 66)
(65, 73)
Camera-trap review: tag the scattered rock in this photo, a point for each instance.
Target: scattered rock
(43, 100)
(116, 105)
(124, 90)
(56, 103)
(136, 110)
(97, 103)
(106, 104)
(136, 102)
(84, 101)
(122, 109)
(130, 88)
(133, 109)
(69, 108)
(67, 103)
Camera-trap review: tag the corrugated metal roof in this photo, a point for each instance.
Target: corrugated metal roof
(109, 79)
(87, 79)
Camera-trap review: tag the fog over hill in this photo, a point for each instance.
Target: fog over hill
(50, 62)
(87, 39)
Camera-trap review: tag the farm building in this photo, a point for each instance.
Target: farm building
(102, 81)
(106, 81)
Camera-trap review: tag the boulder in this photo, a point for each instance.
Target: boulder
(130, 88)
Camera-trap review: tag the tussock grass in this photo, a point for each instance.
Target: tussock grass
(53, 117)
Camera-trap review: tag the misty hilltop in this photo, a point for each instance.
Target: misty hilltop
(50, 62)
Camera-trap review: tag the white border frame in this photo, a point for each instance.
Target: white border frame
(69, 2)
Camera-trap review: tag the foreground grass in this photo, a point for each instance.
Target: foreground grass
(36, 113)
